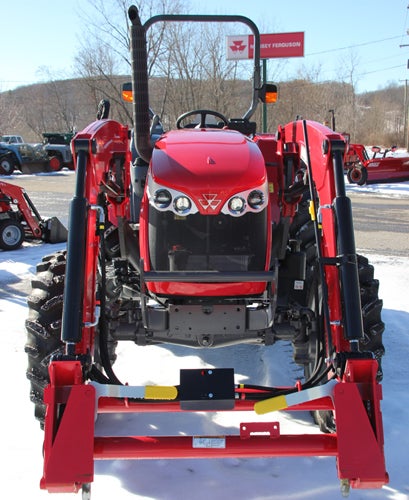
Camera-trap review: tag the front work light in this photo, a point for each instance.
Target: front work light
(237, 205)
(255, 199)
(182, 205)
(162, 198)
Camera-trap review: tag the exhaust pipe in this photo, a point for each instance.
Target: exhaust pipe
(140, 86)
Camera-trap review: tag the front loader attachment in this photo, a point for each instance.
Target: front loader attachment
(53, 230)
(70, 446)
(17, 206)
(349, 388)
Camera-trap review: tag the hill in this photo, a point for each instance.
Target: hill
(64, 105)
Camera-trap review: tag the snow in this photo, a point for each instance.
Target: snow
(397, 190)
(249, 479)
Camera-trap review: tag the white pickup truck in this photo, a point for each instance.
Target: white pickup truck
(12, 139)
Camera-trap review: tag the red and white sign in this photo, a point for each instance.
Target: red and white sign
(272, 45)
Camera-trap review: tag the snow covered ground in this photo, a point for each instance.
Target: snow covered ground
(239, 479)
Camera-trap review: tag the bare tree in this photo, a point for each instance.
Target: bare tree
(186, 62)
(188, 70)
(10, 111)
(104, 54)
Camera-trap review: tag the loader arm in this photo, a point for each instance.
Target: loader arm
(15, 202)
(102, 157)
(322, 151)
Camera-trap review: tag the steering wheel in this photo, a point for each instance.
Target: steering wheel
(203, 113)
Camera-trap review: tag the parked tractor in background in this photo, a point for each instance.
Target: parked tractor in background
(20, 220)
(383, 167)
(214, 235)
(58, 148)
(15, 154)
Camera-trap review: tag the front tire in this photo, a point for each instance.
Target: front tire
(8, 163)
(43, 326)
(371, 306)
(357, 175)
(55, 164)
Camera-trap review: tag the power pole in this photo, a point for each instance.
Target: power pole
(405, 113)
(406, 105)
(332, 111)
(264, 104)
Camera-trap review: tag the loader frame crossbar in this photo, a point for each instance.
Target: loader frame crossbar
(359, 433)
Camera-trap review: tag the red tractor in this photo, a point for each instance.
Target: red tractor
(20, 220)
(381, 168)
(212, 236)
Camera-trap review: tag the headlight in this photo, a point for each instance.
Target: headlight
(162, 198)
(166, 199)
(255, 199)
(182, 204)
(237, 205)
(250, 201)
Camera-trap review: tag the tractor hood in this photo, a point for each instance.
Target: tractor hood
(199, 162)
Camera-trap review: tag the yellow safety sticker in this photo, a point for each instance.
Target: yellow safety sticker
(282, 402)
(270, 404)
(160, 392)
(311, 210)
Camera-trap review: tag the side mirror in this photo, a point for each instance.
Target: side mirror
(268, 93)
(127, 93)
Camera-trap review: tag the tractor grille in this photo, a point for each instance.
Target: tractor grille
(207, 243)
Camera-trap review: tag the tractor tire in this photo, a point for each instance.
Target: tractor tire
(8, 163)
(55, 164)
(11, 234)
(373, 326)
(357, 176)
(43, 327)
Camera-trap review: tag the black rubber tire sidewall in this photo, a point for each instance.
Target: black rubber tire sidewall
(7, 165)
(357, 176)
(43, 325)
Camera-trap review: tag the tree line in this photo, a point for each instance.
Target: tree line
(188, 70)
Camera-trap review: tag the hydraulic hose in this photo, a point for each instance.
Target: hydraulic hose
(318, 242)
(102, 324)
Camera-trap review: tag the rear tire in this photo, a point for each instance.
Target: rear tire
(11, 234)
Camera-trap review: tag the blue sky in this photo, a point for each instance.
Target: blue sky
(42, 37)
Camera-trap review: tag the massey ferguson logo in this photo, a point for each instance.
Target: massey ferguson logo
(238, 46)
(209, 201)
